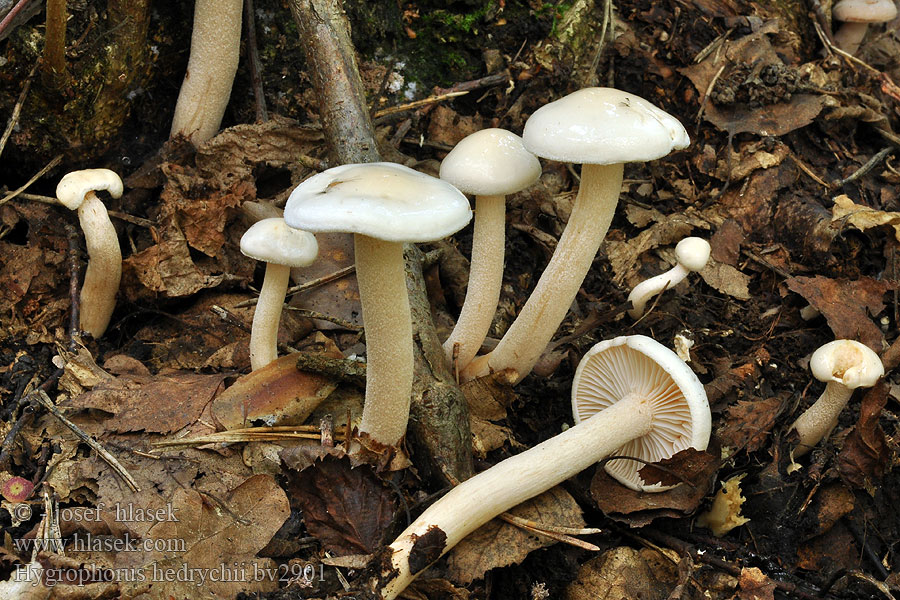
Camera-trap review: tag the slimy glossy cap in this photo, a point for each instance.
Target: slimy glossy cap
(603, 126)
(381, 200)
(638, 365)
(847, 362)
(490, 162)
(75, 185)
(272, 241)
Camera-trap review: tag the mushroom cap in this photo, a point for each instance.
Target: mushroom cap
(272, 241)
(490, 162)
(603, 126)
(16, 489)
(636, 364)
(847, 362)
(73, 187)
(692, 253)
(381, 200)
(864, 11)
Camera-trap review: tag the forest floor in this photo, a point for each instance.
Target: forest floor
(791, 175)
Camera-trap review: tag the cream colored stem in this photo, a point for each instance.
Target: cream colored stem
(819, 419)
(389, 347)
(548, 304)
(104, 269)
(849, 36)
(264, 333)
(215, 48)
(476, 501)
(485, 280)
(645, 290)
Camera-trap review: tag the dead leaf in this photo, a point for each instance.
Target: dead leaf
(726, 279)
(845, 211)
(748, 423)
(755, 585)
(725, 243)
(488, 398)
(865, 454)
(846, 305)
(624, 574)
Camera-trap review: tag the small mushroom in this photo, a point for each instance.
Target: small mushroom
(491, 164)
(104, 270)
(632, 396)
(843, 365)
(383, 205)
(856, 15)
(281, 248)
(215, 49)
(691, 254)
(601, 128)
(16, 489)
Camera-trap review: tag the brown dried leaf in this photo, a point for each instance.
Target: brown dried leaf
(748, 423)
(846, 305)
(862, 217)
(835, 549)
(865, 454)
(624, 574)
(755, 585)
(686, 465)
(498, 544)
(346, 508)
(725, 244)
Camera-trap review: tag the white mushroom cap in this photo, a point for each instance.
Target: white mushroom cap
(381, 200)
(73, 186)
(272, 241)
(692, 253)
(848, 363)
(638, 365)
(603, 126)
(490, 162)
(864, 11)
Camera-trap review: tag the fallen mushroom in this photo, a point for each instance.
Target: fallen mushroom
(855, 17)
(281, 248)
(383, 205)
(104, 270)
(691, 254)
(491, 164)
(843, 365)
(647, 400)
(602, 128)
(215, 49)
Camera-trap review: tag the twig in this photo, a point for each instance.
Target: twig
(73, 238)
(307, 285)
(50, 165)
(262, 114)
(55, 37)
(546, 532)
(44, 400)
(17, 109)
(251, 434)
(228, 317)
(313, 314)
(870, 164)
(11, 15)
(392, 110)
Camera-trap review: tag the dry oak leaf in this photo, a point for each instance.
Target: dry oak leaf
(748, 423)
(862, 217)
(217, 534)
(865, 453)
(755, 585)
(624, 574)
(846, 305)
(498, 544)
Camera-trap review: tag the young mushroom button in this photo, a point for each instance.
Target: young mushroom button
(491, 164)
(383, 205)
(691, 254)
(601, 128)
(104, 270)
(843, 365)
(281, 248)
(631, 395)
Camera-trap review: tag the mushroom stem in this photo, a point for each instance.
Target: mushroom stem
(381, 277)
(645, 290)
(548, 304)
(104, 269)
(476, 501)
(819, 419)
(215, 49)
(485, 280)
(849, 36)
(264, 332)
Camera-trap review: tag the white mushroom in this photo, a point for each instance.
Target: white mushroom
(856, 15)
(281, 248)
(691, 254)
(646, 403)
(491, 164)
(844, 365)
(104, 270)
(603, 129)
(383, 205)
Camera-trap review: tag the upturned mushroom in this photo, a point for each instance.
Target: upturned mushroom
(281, 248)
(601, 128)
(855, 17)
(644, 401)
(691, 254)
(843, 365)
(383, 205)
(491, 164)
(215, 49)
(76, 191)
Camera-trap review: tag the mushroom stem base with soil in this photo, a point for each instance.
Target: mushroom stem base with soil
(264, 333)
(819, 419)
(548, 304)
(476, 501)
(485, 280)
(389, 346)
(104, 269)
